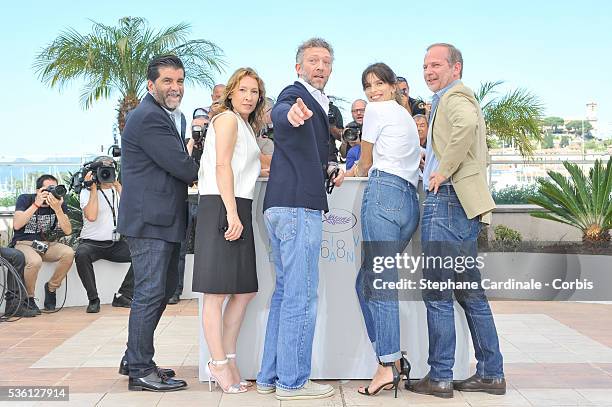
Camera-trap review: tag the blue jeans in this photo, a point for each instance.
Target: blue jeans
(155, 276)
(446, 231)
(295, 237)
(389, 218)
(14, 295)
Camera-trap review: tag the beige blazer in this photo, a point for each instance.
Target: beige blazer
(458, 136)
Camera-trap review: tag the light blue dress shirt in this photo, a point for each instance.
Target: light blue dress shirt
(431, 162)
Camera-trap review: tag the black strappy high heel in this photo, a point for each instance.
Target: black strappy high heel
(405, 368)
(396, 379)
(404, 371)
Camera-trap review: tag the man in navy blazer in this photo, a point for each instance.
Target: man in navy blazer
(295, 198)
(156, 168)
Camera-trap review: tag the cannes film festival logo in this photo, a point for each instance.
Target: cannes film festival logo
(338, 220)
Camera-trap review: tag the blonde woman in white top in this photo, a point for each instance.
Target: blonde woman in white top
(224, 263)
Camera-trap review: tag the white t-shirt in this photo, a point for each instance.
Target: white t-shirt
(102, 227)
(394, 134)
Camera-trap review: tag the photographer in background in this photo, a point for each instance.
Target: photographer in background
(352, 137)
(265, 139)
(199, 127)
(336, 126)
(357, 111)
(36, 216)
(16, 299)
(422, 127)
(414, 106)
(99, 238)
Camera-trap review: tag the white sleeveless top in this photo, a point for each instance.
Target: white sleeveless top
(245, 161)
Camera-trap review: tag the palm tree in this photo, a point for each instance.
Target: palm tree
(114, 59)
(578, 201)
(514, 118)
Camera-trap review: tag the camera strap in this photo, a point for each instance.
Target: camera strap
(112, 206)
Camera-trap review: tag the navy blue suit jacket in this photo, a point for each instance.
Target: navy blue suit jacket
(300, 154)
(155, 173)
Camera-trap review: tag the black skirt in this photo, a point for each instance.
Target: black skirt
(221, 266)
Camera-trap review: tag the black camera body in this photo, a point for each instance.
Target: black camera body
(351, 133)
(331, 116)
(198, 134)
(115, 150)
(418, 106)
(58, 191)
(101, 172)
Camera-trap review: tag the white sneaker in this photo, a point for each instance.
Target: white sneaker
(310, 390)
(265, 389)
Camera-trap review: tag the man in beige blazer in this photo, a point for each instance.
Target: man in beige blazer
(457, 202)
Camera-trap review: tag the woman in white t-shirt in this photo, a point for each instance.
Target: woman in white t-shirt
(390, 156)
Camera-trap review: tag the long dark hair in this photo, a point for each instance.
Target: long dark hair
(382, 72)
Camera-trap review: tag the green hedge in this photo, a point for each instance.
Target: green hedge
(514, 195)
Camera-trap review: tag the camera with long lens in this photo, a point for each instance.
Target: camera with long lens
(101, 171)
(351, 133)
(58, 191)
(331, 116)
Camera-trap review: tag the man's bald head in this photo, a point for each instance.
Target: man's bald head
(217, 92)
(358, 110)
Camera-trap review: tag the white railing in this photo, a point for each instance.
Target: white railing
(506, 170)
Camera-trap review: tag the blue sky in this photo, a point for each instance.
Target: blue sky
(561, 52)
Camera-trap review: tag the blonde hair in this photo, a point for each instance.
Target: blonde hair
(256, 117)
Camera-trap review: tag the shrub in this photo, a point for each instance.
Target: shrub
(506, 238)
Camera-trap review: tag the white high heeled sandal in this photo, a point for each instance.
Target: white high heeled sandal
(232, 388)
(243, 382)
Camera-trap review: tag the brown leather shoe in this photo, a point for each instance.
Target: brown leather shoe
(477, 383)
(442, 389)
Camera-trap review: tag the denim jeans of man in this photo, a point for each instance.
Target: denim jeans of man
(389, 218)
(155, 265)
(15, 292)
(295, 238)
(446, 231)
